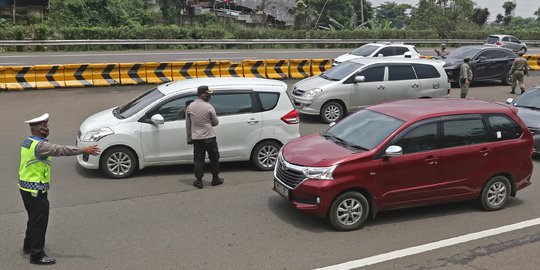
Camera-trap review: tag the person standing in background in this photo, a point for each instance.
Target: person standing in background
(519, 68)
(465, 77)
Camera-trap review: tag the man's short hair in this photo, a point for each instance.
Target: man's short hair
(203, 89)
(466, 59)
(521, 53)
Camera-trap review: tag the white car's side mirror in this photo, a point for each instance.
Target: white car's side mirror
(157, 119)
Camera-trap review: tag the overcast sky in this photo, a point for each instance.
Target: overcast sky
(524, 8)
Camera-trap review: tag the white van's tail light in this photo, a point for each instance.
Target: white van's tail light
(291, 118)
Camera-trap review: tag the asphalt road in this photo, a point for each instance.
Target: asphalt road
(35, 58)
(158, 220)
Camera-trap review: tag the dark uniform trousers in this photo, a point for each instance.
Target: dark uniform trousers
(200, 148)
(38, 218)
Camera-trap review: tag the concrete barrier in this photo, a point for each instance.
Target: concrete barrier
(132, 73)
(277, 69)
(299, 68)
(78, 75)
(158, 72)
(50, 76)
(184, 70)
(534, 61)
(2, 78)
(319, 66)
(207, 69)
(20, 77)
(105, 74)
(254, 68)
(229, 69)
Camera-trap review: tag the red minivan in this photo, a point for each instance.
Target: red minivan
(407, 153)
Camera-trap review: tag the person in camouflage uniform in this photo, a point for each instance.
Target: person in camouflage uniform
(519, 68)
(465, 77)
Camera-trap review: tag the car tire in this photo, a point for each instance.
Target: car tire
(349, 211)
(495, 193)
(331, 112)
(507, 80)
(118, 162)
(523, 49)
(264, 155)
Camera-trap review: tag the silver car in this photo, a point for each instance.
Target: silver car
(507, 41)
(256, 117)
(358, 83)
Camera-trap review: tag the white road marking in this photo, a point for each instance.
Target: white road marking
(431, 246)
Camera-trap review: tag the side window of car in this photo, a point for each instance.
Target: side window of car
(175, 109)
(487, 54)
(400, 50)
(498, 54)
(402, 72)
(233, 103)
(513, 39)
(506, 39)
(386, 51)
(374, 74)
(464, 132)
(424, 71)
(422, 138)
(504, 128)
(268, 100)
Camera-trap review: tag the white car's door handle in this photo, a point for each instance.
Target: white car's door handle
(252, 121)
(415, 85)
(381, 87)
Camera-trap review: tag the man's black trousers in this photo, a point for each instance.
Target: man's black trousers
(36, 227)
(200, 148)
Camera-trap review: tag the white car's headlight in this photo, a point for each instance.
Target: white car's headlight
(322, 173)
(312, 92)
(96, 134)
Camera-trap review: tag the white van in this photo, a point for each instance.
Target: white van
(358, 83)
(256, 117)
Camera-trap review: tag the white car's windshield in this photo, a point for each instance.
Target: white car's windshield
(339, 72)
(363, 130)
(137, 104)
(365, 50)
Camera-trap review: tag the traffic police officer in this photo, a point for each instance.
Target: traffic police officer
(519, 68)
(34, 178)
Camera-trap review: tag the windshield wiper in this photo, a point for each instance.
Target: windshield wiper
(529, 107)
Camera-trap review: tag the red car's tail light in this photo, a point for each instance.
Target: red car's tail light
(291, 117)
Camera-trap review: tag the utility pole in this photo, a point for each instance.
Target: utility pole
(322, 10)
(362, 11)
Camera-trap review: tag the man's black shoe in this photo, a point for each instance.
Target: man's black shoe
(198, 184)
(26, 250)
(216, 181)
(512, 92)
(43, 261)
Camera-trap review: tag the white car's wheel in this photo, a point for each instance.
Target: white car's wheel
(118, 162)
(264, 155)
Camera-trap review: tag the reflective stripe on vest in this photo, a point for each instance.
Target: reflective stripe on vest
(34, 173)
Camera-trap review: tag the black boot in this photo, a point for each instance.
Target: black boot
(198, 183)
(216, 181)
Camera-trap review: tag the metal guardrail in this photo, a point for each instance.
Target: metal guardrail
(234, 41)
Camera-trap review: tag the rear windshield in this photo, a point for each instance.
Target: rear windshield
(492, 39)
(365, 50)
(137, 104)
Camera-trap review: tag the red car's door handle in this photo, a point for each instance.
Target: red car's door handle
(485, 152)
(431, 160)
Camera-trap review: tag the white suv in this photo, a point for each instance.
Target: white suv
(256, 117)
(379, 50)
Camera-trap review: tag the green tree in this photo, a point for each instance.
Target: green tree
(537, 13)
(303, 14)
(393, 12)
(480, 16)
(171, 10)
(499, 18)
(89, 13)
(341, 11)
(508, 9)
(442, 15)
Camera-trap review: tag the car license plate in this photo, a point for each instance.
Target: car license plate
(281, 189)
